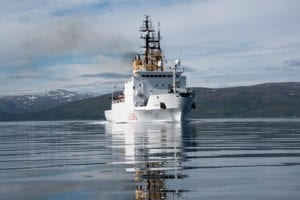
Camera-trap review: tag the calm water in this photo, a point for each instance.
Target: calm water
(200, 159)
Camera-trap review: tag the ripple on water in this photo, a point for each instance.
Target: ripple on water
(207, 158)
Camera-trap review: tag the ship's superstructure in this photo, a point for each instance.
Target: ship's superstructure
(156, 91)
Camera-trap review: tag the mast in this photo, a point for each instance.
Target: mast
(153, 54)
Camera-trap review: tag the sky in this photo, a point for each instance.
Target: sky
(88, 45)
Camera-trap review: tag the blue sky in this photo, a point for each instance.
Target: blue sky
(84, 45)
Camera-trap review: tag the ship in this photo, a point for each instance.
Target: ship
(157, 90)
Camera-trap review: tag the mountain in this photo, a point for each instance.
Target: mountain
(264, 100)
(37, 102)
(91, 108)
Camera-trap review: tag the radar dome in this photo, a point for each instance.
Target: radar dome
(177, 62)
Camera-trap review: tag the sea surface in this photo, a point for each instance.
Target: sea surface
(198, 159)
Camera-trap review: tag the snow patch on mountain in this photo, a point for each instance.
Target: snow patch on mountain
(36, 102)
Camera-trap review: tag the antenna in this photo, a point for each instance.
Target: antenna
(178, 61)
(158, 35)
(180, 53)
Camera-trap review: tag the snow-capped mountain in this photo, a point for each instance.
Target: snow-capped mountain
(31, 103)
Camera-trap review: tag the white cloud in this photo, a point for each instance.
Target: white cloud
(69, 38)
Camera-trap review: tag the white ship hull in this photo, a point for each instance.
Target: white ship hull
(177, 109)
(144, 116)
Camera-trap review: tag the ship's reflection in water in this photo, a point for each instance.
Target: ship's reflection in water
(153, 154)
